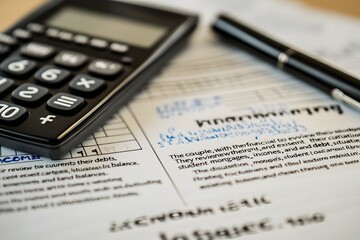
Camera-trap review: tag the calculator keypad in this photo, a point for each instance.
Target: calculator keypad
(22, 34)
(65, 104)
(84, 84)
(52, 33)
(11, 113)
(18, 66)
(105, 68)
(119, 48)
(49, 87)
(8, 40)
(81, 39)
(5, 84)
(36, 28)
(71, 59)
(4, 50)
(99, 43)
(127, 60)
(37, 50)
(29, 93)
(51, 75)
(66, 36)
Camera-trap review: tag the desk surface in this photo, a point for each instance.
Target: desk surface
(10, 10)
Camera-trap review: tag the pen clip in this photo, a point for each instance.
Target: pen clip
(340, 96)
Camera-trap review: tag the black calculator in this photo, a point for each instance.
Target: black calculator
(67, 67)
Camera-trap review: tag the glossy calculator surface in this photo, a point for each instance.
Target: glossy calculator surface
(58, 84)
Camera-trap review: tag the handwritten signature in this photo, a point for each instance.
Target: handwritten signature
(172, 136)
(182, 107)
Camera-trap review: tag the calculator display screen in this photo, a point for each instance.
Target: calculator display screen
(116, 28)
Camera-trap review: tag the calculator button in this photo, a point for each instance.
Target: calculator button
(37, 50)
(52, 33)
(86, 84)
(5, 84)
(105, 68)
(127, 60)
(65, 104)
(29, 93)
(48, 119)
(36, 28)
(70, 59)
(17, 66)
(81, 39)
(66, 36)
(8, 40)
(11, 113)
(99, 43)
(22, 34)
(4, 50)
(119, 48)
(51, 75)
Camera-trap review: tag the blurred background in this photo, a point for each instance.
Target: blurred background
(12, 10)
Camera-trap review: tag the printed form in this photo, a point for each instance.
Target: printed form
(219, 146)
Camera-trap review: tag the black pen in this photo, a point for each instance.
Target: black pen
(339, 85)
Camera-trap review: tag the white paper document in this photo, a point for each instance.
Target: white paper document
(220, 145)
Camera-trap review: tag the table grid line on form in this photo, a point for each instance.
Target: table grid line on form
(114, 137)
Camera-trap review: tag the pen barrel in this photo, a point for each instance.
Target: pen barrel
(311, 70)
(321, 75)
(245, 36)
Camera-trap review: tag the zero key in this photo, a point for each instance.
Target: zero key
(11, 113)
